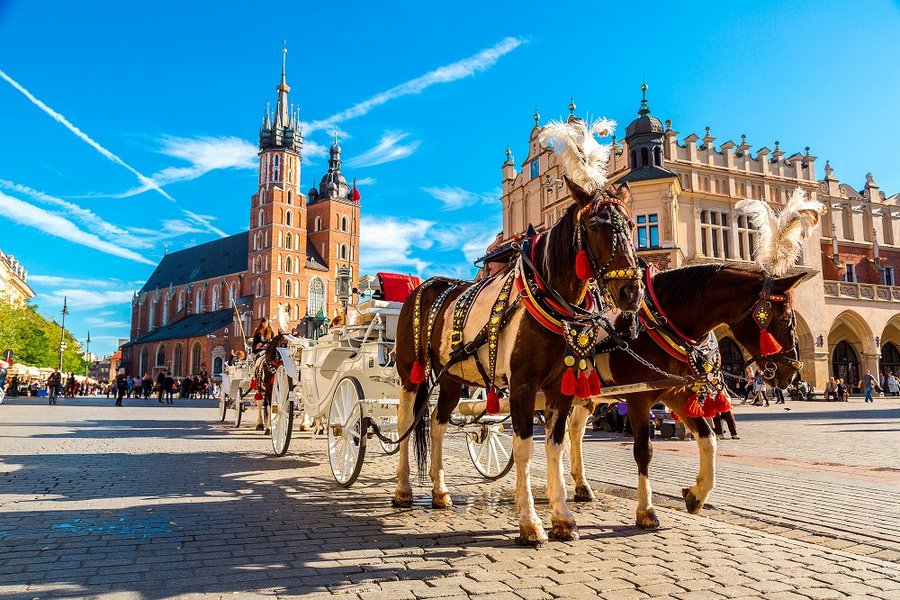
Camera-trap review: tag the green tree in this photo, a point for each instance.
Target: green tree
(35, 340)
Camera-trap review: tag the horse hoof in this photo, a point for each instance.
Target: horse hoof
(564, 532)
(259, 427)
(402, 500)
(690, 501)
(532, 536)
(584, 494)
(647, 520)
(268, 431)
(441, 500)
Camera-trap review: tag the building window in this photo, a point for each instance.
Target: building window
(289, 241)
(845, 364)
(151, 315)
(634, 163)
(232, 295)
(161, 356)
(177, 361)
(645, 157)
(657, 155)
(290, 197)
(217, 365)
(288, 264)
(888, 276)
(288, 219)
(890, 359)
(345, 224)
(647, 231)
(316, 296)
(277, 167)
(144, 362)
(287, 288)
(343, 251)
(198, 302)
(850, 273)
(195, 359)
(258, 290)
(535, 169)
(714, 234)
(260, 218)
(318, 225)
(165, 312)
(214, 303)
(746, 238)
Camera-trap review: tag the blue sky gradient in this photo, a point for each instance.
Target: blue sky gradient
(176, 91)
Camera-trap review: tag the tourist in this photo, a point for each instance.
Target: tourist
(121, 386)
(160, 386)
(54, 382)
(841, 390)
(831, 390)
(262, 335)
(3, 374)
(868, 384)
(169, 385)
(759, 390)
(728, 417)
(892, 385)
(748, 388)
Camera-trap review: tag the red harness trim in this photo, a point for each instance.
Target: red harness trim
(647, 318)
(532, 309)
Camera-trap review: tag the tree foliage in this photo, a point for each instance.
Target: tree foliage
(35, 340)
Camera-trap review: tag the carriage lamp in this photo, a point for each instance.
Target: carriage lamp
(343, 284)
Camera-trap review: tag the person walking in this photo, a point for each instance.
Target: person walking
(892, 385)
(54, 382)
(748, 389)
(121, 386)
(3, 373)
(759, 390)
(160, 386)
(867, 383)
(169, 384)
(728, 417)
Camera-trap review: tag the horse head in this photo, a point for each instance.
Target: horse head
(603, 239)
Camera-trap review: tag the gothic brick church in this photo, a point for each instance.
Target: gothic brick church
(183, 318)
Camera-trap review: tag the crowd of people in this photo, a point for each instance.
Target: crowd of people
(164, 387)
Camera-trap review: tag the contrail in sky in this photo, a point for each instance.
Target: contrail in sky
(83, 136)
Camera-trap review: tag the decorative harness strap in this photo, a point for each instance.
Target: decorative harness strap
(433, 312)
(461, 313)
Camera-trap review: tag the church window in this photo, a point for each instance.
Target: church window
(318, 225)
(715, 234)
(217, 365)
(165, 312)
(289, 241)
(258, 290)
(634, 162)
(198, 302)
(290, 197)
(345, 224)
(287, 288)
(850, 273)
(657, 155)
(195, 359)
(144, 362)
(177, 361)
(214, 303)
(260, 218)
(151, 314)
(344, 251)
(161, 356)
(888, 276)
(277, 167)
(535, 169)
(232, 295)
(278, 286)
(288, 218)
(316, 296)
(647, 231)
(645, 157)
(288, 265)
(180, 300)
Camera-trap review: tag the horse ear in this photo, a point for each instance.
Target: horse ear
(581, 195)
(787, 284)
(623, 193)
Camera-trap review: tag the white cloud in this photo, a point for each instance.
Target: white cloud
(388, 149)
(388, 243)
(87, 294)
(57, 226)
(475, 246)
(89, 299)
(105, 323)
(205, 154)
(84, 137)
(459, 70)
(366, 181)
(455, 198)
(58, 281)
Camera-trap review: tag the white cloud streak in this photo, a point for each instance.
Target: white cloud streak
(455, 198)
(55, 225)
(388, 243)
(83, 136)
(366, 181)
(459, 70)
(388, 149)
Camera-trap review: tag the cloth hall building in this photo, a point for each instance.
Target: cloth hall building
(684, 189)
(183, 318)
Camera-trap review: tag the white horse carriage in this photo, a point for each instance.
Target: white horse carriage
(345, 383)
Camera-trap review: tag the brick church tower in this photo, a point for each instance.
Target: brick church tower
(277, 245)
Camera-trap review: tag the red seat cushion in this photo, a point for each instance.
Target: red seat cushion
(395, 287)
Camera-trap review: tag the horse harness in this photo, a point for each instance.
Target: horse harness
(761, 313)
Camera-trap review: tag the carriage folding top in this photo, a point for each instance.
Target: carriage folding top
(389, 291)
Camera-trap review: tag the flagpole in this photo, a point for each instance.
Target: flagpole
(62, 337)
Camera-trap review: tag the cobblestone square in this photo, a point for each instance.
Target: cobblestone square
(149, 501)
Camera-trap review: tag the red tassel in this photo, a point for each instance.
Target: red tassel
(594, 383)
(257, 397)
(583, 265)
(493, 402)
(568, 383)
(417, 375)
(692, 408)
(674, 416)
(709, 407)
(582, 387)
(253, 384)
(723, 404)
(767, 344)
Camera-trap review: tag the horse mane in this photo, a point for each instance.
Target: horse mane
(685, 283)
(563, 252)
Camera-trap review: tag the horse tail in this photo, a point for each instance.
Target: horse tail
(421, 432)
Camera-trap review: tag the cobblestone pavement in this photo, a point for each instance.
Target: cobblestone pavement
(149, 501)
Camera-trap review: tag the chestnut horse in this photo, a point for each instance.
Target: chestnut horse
(692, 301)
(264, 369)
(502, 344)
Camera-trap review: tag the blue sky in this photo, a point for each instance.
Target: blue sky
(170, 96)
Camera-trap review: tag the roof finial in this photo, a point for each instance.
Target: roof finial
(537, 117)
(644, 110)
(283, 59)
(334, 133)
(508, 154)
(572, 106)
(166, 249)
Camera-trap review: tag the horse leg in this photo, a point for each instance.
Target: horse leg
(639, 417)
(561, 519)
(259, 417)
(696, 495)
(447, 401)
(577, 421)
(531, 529)
(267, 414)
(403, 492)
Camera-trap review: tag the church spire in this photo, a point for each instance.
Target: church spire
(281, 107)
(282, 129)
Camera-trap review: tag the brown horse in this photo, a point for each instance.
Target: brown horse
(502, 344)
(691, 302)
(264, 374)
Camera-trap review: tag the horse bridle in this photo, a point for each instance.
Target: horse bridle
(602, 273)
(792, 356)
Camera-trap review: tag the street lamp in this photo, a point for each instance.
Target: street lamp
(343, 288)
(62, 335)
(87, 352)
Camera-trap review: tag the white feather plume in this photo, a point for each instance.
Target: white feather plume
(282, 317)
(780, 236)
(584, 159)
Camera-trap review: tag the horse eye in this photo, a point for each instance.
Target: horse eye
(594, 225)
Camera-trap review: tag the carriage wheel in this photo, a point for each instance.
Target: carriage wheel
(238, 409)
(490, 448)
(393, 435)
(281, 412)
(345, 432)
(223, 400)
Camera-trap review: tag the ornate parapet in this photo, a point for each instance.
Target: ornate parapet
(862, 291)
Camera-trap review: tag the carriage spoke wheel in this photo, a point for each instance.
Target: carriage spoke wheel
(490, 448)
(345, 432)
(392, 435)
(238, 405)
(223, 406)
(281, 412)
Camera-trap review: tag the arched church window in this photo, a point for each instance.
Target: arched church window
(151, 314)
(214, 301)
(318, 225)
(289, 241)
(288, 265)
(260, 218)
(232, 295)
(344, 251)
(287, 288)
(657, 155)
(288, 218)
(198, 302)
(277, 167)
(180, 300)
(165, 312)
(645, 157)
(177, 361)
(258, 290)
(290, 199)
(278, 286)
(345, 224)
(634, 162)
(161, 355)
(316, 296)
